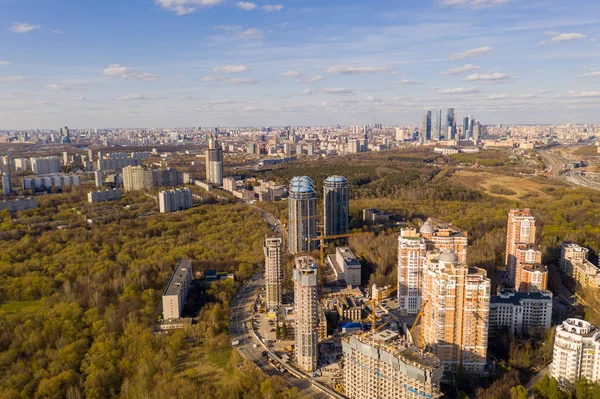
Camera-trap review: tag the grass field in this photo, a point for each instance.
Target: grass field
(17, 306)
(502, 186)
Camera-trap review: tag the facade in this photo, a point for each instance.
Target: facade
(445, 237)
(576, 352)
(520, 312)
(19, 205)
(426, 127)
(116, 164)
(214, 162)
(574, 262)
(140, 178)
(336, 205)
(39, 183)
(375, 216)
(175, 200)
(456, 317)
(436, 132)
(381, 365)
(273, 271)
(104, 196)
(412, 249)
(450, 124)
(177, 290)
(307, 315)
(349, 265)
(46, 166)
(302, 215)
(6, 185)
(520, 230)
(98, 179)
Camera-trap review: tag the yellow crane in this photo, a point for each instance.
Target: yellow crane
(323, 237)
(419, 316)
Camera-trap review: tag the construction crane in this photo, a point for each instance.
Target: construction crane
(419, 316)
(323, 237)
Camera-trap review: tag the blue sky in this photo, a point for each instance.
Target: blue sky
(174, 63)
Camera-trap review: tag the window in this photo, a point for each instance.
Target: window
(525, 229)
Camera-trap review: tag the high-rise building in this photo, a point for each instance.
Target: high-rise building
(6, 184)
(445, 236)
(336, 206)
(426, 126)
(520, 312)
(140, 178)
(450, 124)
(436, 133)
(576, 352)
(273, 271)
(175, 294)
(306, 309)
(383, 366)
(65, 158)
(214, 162)
(46, 166)
(411, 259)
(302, 215)
(175, 200)
(520, 230)
(64, 132)
(530, 274)
(98, 178)
(456, 314)
(466, 127)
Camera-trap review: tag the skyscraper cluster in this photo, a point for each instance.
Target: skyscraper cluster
(436, 129)
(523, 258)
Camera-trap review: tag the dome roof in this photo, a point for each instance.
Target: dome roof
(302, 184)
(448, 257)
(427, 228)
(336, 179)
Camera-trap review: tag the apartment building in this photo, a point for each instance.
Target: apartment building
(307, 315)
(456, 313)
(520, 230)
(382, 365)
(46, 165)
(412, 249)
(574, 262)
(302, 215)
(520, 312)
(39, 183)
(530, 274)
(175, 200)
(576, 352)
(104, 196)
(175, 294)
(445, 237)
(273, 271)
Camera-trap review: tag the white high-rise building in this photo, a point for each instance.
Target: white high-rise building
(273, 271)
(175, 200)
(576, 352)
(307, 316)
(214, 162)
(411, 260)
(175, 294)
(521, 312)
(383, 366)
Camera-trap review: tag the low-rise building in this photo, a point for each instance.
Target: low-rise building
(104, 196)
(175, 294)
(39, 183)
(375, 216)
(19, 205)
(574, 262)
(384, 366)
(520, 312)
(350, 266)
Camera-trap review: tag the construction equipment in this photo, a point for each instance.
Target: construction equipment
(419, 316)
(323, 237)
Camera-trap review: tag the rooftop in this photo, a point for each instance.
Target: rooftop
(178, 277)
(513, 297)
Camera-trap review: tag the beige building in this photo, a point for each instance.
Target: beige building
(307, 314)
(576, 352)
(456, 317)
(574, 262)
(445, 237)
(530, 274)
(381, 365)
(520, 230)
(140, 178)
(177, 290)
(273, 271)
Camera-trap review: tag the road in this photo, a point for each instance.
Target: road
(241, 317)
(577, 178)
(556, 163)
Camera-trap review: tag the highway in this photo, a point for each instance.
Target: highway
(557, 163)
(241, 316)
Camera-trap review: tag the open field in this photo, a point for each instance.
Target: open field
(17, 306)
(510, 187)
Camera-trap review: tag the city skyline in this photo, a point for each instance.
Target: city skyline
(211, 62)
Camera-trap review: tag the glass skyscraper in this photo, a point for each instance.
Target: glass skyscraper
(302, 215)
(336, 205)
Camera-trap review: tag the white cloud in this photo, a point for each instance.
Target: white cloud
(472, 3)
(461, 90)
(408, 82)
(11, 79)
(347, 70)
(314, 79)
(228, 28)
(472, 53)
(22, 27)
(47, 103)
(290, 74)
(183, 7)
(497, 97)
(307, 92)
(56, 87)
(77, 99)
(4, 63)
(214, 78)
(230, 69)
(489, 77)
(283, 25)
(58, 32)
(562, 37)
(586, 94)
(252, 33)
(595, 74)
(337, 91)
(460, 69)
(245, 5)
(272, 8)
(135, 97)
(237, 81)
(128, 73)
